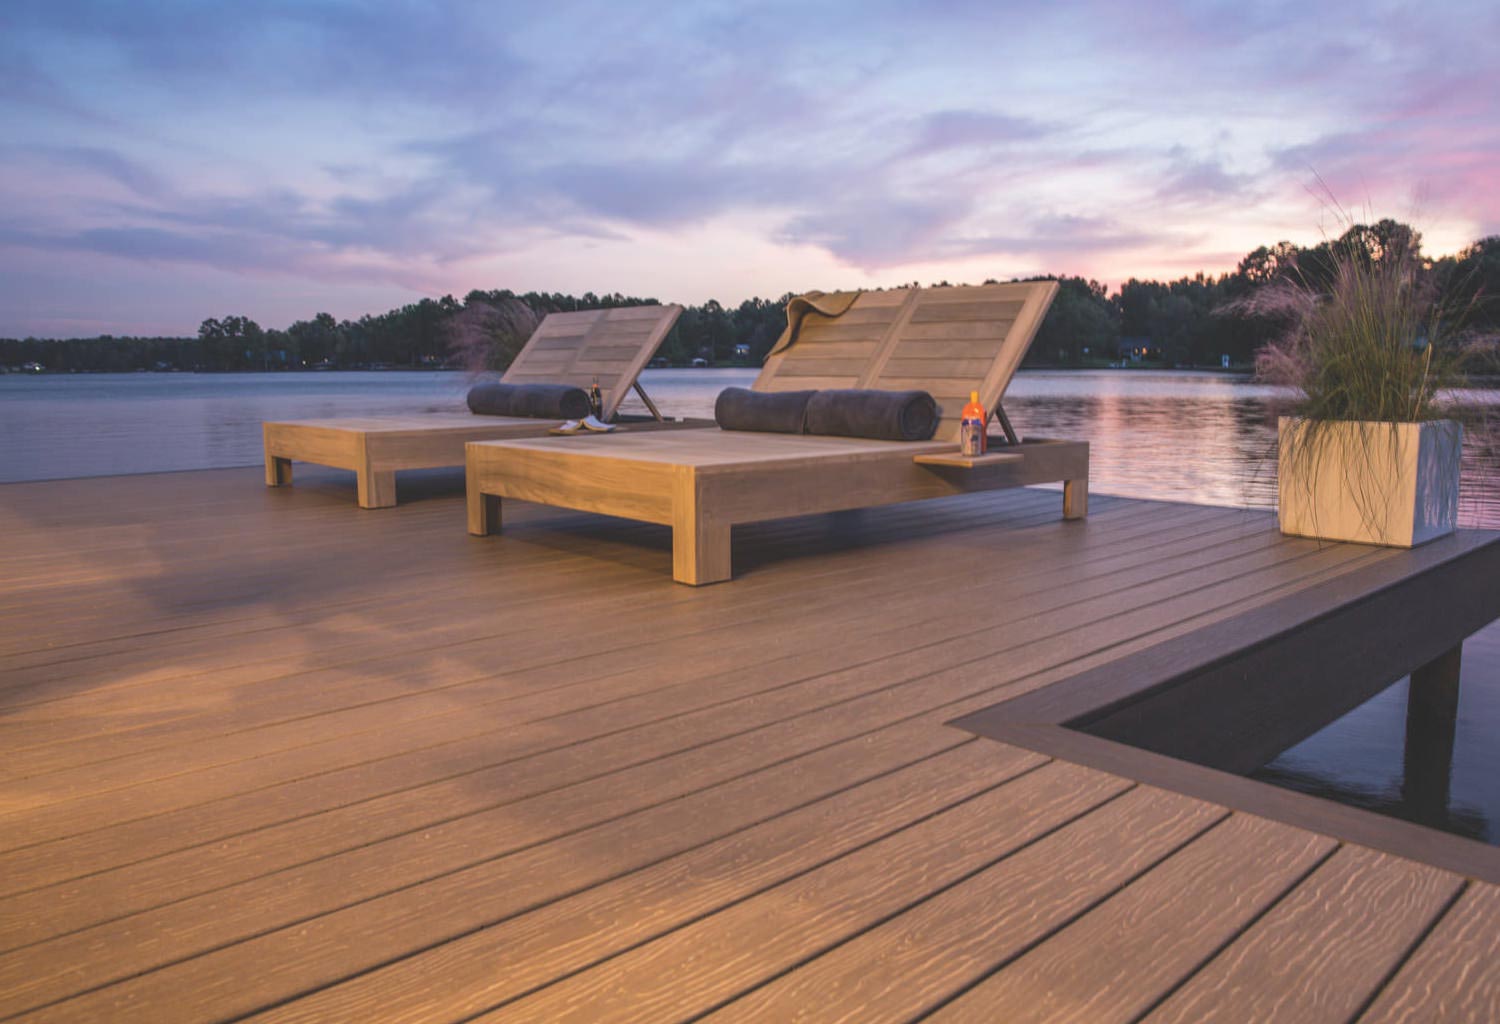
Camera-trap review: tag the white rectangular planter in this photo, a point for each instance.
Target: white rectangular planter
(1394, 484)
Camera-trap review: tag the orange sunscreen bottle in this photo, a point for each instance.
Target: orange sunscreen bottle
(971, 436)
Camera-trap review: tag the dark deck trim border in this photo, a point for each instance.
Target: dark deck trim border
(1194, 713)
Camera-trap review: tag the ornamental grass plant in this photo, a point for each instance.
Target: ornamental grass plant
(1368, 345)
(1367, 338)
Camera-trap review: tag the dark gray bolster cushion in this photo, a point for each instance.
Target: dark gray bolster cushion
(538, 401)
(776, 412)
(881, 415)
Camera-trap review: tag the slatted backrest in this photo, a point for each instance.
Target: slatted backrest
(610, 345)
(946, 341)
(953, 341)
(835, 351)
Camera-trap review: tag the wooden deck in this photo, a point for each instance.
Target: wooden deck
(271, 757)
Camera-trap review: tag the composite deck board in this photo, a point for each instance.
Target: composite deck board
(530, 548)
(908, 964)
(1454, 975)
(1103, 966)
(1318, 953)
(723, 956)
(265, 754)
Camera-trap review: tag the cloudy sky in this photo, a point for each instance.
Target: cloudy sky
(163, 162)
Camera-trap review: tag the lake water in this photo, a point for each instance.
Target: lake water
(1198, 437)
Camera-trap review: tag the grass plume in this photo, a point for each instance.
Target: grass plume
(485, 336)
(1367, 336)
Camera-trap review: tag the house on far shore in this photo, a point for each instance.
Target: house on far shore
(1136, 350)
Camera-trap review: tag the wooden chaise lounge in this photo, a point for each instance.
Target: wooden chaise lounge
(610, 345)
(948, 341)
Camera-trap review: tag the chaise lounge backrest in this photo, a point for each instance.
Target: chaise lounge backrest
(611, 345)
(947, 341)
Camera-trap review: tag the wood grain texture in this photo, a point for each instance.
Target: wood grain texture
(912, 961)
(1113, 962)
(721, 956)
(1454, 975)
(461, 978)
(1322, 949)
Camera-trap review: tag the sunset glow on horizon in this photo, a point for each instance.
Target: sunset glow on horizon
(167, 162)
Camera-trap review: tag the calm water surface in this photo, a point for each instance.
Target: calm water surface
(1198, 437)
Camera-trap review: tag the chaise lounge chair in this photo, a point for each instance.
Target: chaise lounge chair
(612, 345)
(947, 341)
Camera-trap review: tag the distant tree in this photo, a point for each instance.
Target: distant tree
(232, 343)
(1079, 324)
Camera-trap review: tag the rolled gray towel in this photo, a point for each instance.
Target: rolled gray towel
(776, 412)
(881, 415)
(537, 401)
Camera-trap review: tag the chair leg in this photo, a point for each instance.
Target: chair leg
(484, 512)
(700, 553)
(376, 489)
(1075, 498)
(700, 545)
(278, 471)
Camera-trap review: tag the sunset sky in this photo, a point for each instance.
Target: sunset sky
(165, 162)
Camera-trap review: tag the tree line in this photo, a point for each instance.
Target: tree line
(1193, 321)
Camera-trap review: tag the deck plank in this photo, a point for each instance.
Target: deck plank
(1454, 975)
(1317, 954)
(1106, 966)
(714, 960)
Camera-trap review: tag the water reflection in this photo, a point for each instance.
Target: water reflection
(1359, 759)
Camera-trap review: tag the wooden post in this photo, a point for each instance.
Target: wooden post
(1076, 498)
(483, 509)
(700, 547)
(278, 471)
(377, 488)
(1431, 722)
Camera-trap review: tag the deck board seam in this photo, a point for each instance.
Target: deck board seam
(1237, 933)
(767, 979)
(1040, 760)
(1070, 919)
(291, 924)
(1409, 952)
(895, 829)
